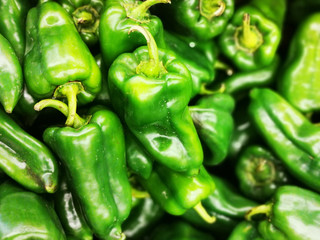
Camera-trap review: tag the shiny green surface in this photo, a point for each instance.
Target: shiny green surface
(55, 54)
(25, 159)
(245, 231)
(11, 77)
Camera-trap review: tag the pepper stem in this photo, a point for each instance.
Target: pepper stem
(153, 67)
(248, 37)
(69, 90)
(204, 214)
(223, 66)
(139, 194)
(262, 209)
(211, 8)
(62, 107)
(86, 19)
(205, 91)
(139, 12)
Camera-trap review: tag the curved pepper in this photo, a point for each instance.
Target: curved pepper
(212, 118)
(93, 154)
(259, 173)
(25, 159)
(150, 89)
(11, 76)
(293, 213)
(251, 40)
(56, 57)
(12, 23)
(226, 204)
(203, 19)
(245, 231)
(26, 215)
(299, 83)
(292, 137)
(117, 19)
(86, 17)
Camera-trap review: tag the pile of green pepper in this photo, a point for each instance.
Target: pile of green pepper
(159, 119)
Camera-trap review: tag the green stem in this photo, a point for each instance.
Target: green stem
(211, 8)
(139, 194)
(86, 19)
(204, 214)
(62, 107)
(265, 171)
(139, 12)
(205, 91)
(262, 209)
(223, 66)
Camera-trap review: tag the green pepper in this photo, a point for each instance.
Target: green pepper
(117, 19)
(70, 213)
(293, 213)
(203, 19)
(150, 89)
(202, 71)
(226, 204)
(26, 215)
(12, 24)
(289, 134)
(259, 173)
(143, 217)
(93, 154)
(251, 40)
(176, 192)
(179, 230)
(212, 118)
(11, 76)
(245, 231)
(25, 159)
(86, 17)
(56, 58)
(299, 81)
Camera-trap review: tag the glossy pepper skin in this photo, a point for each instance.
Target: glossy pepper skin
(55, 54)
(299, 82)
(214, 123)
(26, 215)
(252, 37)
(86, 17)
(117, 19)
(25, 159)
(11, 76)
(226, 204)
(70, 213)
(245, 231)
(154, 107)
(202, 71)
(259, 173)
(292, 137)
(179, 230)
(175, 192)
(203, 19)
(94, 158)
(12, 23)
(293, 213)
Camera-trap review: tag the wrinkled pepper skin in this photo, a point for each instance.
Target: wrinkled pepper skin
(86, 17)
(202, 71)
(11, 76)
(12, 23)
(259, 173)
(143, 217)
(203, 19)
(70, 213)
(289, 134)
(155, 109)
(214, 123)
(250, 42)
(116, 21)
(56, 54)
(245, 231)
(94, 159)
(299, 82)
(25, 159)
(226, 204)
(175, 192)
(179, 230)
(26, 215)
(293, 213)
